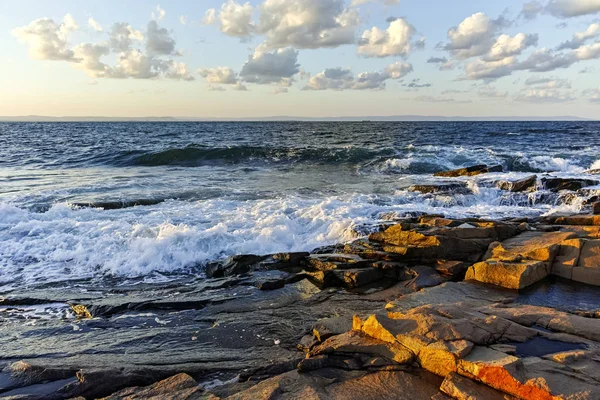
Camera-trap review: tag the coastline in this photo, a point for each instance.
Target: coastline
(424, 307)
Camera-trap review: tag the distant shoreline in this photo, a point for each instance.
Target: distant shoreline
(364, 119)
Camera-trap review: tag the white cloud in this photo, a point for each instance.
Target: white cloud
(184, 19)
(307, 24)
(474, 36)
(279, 90)
(236, 19)
(122, 35)
(356, 3)
(547, 82)
(434, 99)
(507, 46)
(47, 39)
(92, 23)
(266, 68)
(158, 40)
(219, 75)
(178, 70)
(545, 96)
(581, 37)
(592, 94)
(561, 8)
(210, 17)
(572, 8)
(89, 56)
(160, 14)
(394, 41)
(343, 79)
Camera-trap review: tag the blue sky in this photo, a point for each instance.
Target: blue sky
(301, 58)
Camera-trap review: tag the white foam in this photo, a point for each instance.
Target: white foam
(595, 165)
(550, 164)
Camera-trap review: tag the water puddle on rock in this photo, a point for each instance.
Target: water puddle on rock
(562, 294)
(539, 347)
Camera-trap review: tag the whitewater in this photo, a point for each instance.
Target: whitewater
(152, 202)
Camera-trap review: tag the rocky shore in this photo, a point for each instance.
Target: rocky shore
(424, 307)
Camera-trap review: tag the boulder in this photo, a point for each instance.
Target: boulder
(461, 388)
(588, 263)
(557, 184)
(596, 208)
(585, 220)
(520, 185)
(180, 387)
(454, 188)
(520, 261)
(469, 171)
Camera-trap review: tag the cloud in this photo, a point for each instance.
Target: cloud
(394, 41)
(343, 79)
(178, 71)
(415, 85)
(158, 40)
(507, 46)
(220, 75)
(266, 68)
(279, 90)
(307, 24)
(474, 36)
(184, 19)
(581, 37)
(159, 15)
(356, 3)
(89, 56)
(442, 62)
(234, 19)
(572, 8)
(560, 8)
(491, 92)
(545, 96)
(47, 39)
(548, 82)
(433, 99)
(592, 94)
(122, 35)
(92, 23)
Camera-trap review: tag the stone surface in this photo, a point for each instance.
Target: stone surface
(596, 208)
(455, 188)
(178, 387)
(558, 184)
(470, 171)
(520, 185)
(461, 388)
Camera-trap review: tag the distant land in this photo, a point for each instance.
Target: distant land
(41, 118)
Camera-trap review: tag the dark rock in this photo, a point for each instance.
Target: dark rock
(558, 184)
(358, 277)
(233, 266)
(327, 262)
(455, 188)
(180, 387)
(271, 285)
(520, 185)
(470, 171)
(453, 269)
(596, 208)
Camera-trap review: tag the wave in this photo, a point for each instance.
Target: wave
(191, 156)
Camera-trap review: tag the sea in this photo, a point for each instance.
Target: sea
(134, 202)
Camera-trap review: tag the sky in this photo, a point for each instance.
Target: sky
(305, 58)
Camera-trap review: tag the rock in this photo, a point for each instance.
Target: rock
(517, 275)
(453, 269)
(325, 328)
(328, 262)
(461, 388)
(596, 208)
(469, 171)
(358, 277)
(587, 220)
(351, 343)
(233, 266)
(454, 188)
(180, 387)
(593, 172)
(558, 184)
(520, 185)
(338, 384)
(588, 264)
(520, 261)
(567, 258)
(429, 244)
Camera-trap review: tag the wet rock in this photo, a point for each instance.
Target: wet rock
(470, 171)
(520, 185)
(328, 262)
(328, 327)
(180, 387)
(353, 278)
(558, 184)
(454, 188)
(20, 374)
(233, 266)
(596, 208)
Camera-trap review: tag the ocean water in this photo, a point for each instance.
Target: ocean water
(172, 196)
